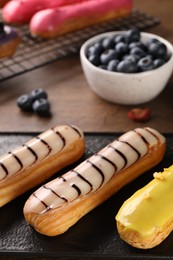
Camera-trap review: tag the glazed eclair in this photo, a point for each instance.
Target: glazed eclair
(38, 159)
(146, 218)
(59, 204)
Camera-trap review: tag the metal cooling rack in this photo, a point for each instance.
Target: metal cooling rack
(33, 53)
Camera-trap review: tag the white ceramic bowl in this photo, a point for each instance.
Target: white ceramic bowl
(126, 88)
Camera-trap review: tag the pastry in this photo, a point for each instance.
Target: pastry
(60, 203)
(50, 23)
(38, 159)
(146, 218)
(9, 40)
(21, 11)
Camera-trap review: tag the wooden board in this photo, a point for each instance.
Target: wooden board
(72, 102)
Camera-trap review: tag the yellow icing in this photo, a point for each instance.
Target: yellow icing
(150, 207)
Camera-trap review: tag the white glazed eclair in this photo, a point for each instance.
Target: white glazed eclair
(146, 218)
(38, 159)
(59, 204)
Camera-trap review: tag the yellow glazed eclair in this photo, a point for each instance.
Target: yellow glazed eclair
(38, 159)
(146, 218)
(59, 204)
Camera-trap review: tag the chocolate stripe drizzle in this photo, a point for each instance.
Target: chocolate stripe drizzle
(121, 154)
(42, 202)
(98, 170)
(60, 135)
(133, 148)
(4, 168)
(157, 138)
(84, 179)
(103, 157)
(142, 137)
(48, 188)
(17, 159)
(32, 151)
(106, 159)
(74, 128)
(45, 143)
(77, 189)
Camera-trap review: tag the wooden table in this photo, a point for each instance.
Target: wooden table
(73, 102)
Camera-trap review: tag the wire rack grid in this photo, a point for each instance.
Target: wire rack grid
(33, 52)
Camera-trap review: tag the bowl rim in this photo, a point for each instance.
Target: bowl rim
(143, 34)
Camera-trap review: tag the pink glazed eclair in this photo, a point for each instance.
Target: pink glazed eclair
(53, 22)
(59, 204)
(21, 11)
(38, 159)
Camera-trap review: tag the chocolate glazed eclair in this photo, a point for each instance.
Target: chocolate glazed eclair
(38, 159)
(59, 204)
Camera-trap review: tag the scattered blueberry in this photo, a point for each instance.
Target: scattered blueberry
(38, 93)
(25, 103)
(36, 101)
(127, 53)
(41, 107)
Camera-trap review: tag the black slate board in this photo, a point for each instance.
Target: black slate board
(94, 236)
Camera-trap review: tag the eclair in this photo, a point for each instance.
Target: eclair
(53, 22)
(38, 159)
(21, 11)
(146, 218)
(60, 203)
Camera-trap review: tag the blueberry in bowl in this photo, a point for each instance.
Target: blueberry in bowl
(127, 67)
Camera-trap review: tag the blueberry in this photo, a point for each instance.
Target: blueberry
(127, 66)
(107, 56)
(133, 58)
(121, 48)
(25, 103)
(94, 59)
(38, 93)
(152, 40)
(108, 43)
(137, 51)
(158, 62)
(120, 38)
(157, 49)
(41, 107)
(133, 35)
(112, 65)
(137, 44)
(145, 64)
(95, 49)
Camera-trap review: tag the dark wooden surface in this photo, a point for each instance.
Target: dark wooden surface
(71, 99)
